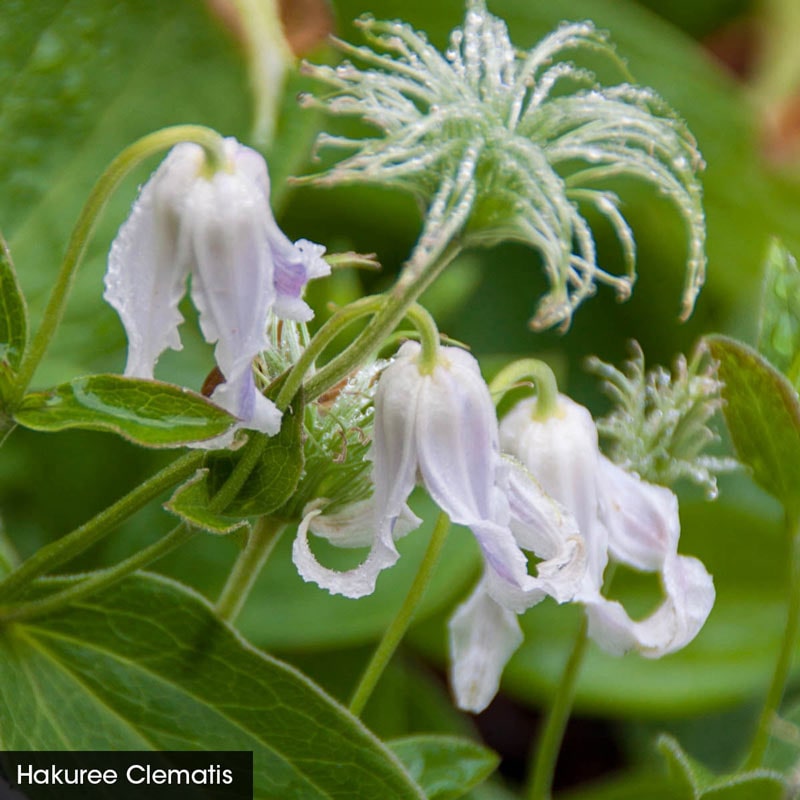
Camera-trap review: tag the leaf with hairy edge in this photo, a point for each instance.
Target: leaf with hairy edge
(190, 503)
(694, 782)
(446, 767)
(149, 413)
(762, 411)
(147, 665)
(13, 319)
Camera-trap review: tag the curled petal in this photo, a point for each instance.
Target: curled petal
(483, 636)
(689, 592)
(353, 583)
(295, 265)
(354, 524)
(642, 519)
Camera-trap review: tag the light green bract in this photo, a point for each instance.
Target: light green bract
(488, 139)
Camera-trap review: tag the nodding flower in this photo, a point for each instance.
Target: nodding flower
(216, 226)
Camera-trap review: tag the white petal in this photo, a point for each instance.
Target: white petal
(352, 583)
(147, 266)
(689, 598)
(642, 519)
(354, 524)
(242, 399)
(232, 277)
(457, 446)
(540, 523)
(483, 636)
(562, 453)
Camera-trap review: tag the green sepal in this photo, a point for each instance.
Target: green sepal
(693, 781)
(146, 665)
(190, 502)
(147, 412)
(446, 767)
(13, 323)
(762, 412)
(779, 315)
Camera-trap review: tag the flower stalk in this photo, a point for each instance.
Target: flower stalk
(788, 646)
(67, 547)
(400, 624)
(260, 544)
(552, 735)
(102, 579)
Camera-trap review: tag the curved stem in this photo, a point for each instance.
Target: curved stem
(70, 545)
(100, 580)
(147, 146)
(405, 292)
(784, 663)
(429, 337)
(543, 378)
(324, 336)
(260, 544)
(549, 744)
(399, 625)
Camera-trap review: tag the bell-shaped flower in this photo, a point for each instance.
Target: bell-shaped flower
(217, 226)
(620, 516)
(438, 427)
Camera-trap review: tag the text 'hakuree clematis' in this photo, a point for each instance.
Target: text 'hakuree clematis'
(217, 226)
(438, 427)
(620, 516)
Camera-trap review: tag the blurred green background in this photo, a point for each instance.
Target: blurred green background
(80, 79)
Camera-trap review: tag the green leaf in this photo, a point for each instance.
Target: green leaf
(446, 767)
(779, 317)
(190, 503)
(695, 782)
(267, 488)
(13, 316)
(277, 473)
(762, 411)
(146, 665)
(149, 413)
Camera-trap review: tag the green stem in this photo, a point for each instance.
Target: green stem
(70, 545)
(543, 378)
(429, 337)
(99, 580)
(784, 663)
(241, 472)
(399, 626)
(147, 146)
(324, 336)
(549, 744)
(409, 287)
(260, 544)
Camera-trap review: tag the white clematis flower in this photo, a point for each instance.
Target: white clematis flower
(634, 522)
(439, 428)
(217, 227)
